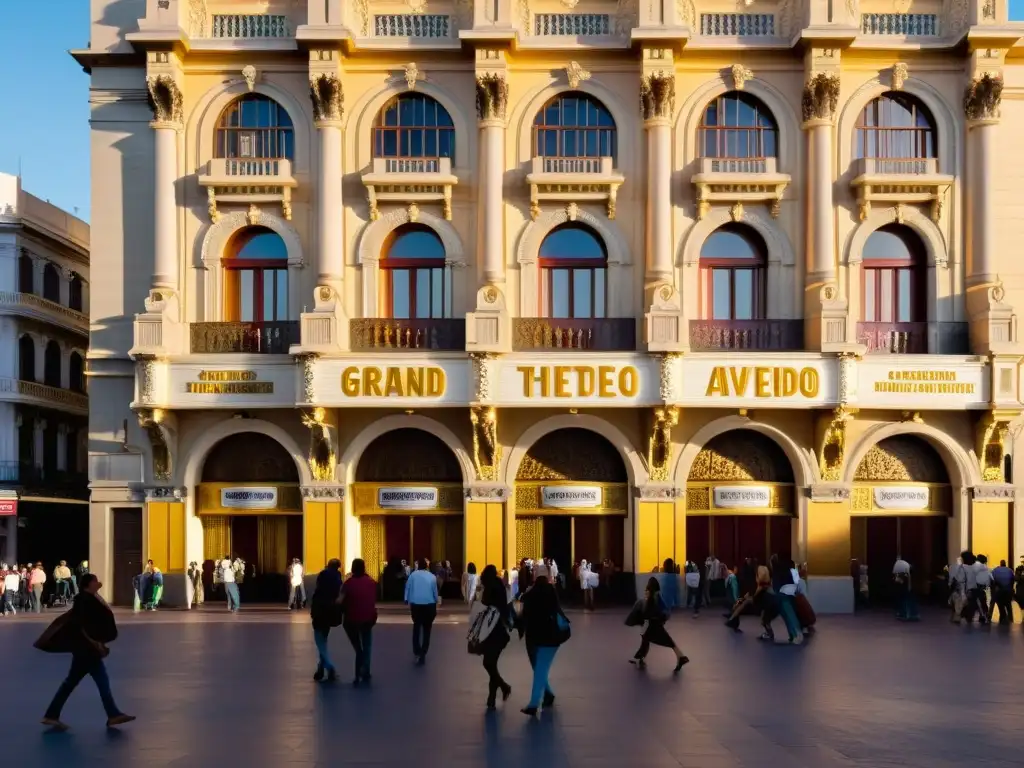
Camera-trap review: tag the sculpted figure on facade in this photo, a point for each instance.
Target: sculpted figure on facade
(993, 431)
(197, 17)
(576, 74)
(491, 97)
(165, 99)
(153, 423)
(322, 458)
(739, 76)
(821, 96)
(833, 445)
(327, 97)
(983, 97)
(657, 96)
(659, 446)
(486, 450)
(900, 73)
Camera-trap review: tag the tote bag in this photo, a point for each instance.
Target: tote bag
(482, 621)
(55, 637)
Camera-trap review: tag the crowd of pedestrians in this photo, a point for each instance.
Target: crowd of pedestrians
(29, 588)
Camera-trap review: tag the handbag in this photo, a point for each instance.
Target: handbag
(483, 619)
(54, 637)
(564, 629)
(636, 615)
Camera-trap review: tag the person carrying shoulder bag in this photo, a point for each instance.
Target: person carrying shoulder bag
(545, 628)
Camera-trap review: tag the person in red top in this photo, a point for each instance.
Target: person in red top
(359, 600)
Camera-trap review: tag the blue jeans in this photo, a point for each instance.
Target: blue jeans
(231, 588)
(320, 638)
(82, 665)
(544, 657)
(789, 615)
(8, 605)
(361, 637)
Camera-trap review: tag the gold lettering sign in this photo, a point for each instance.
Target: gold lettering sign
(928, 382)
(575, 381)
(229, 383)
(763, 382)
(393, 382)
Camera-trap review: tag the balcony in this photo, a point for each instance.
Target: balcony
(273, 338)
(430, 26)
(38, 308)
(28, 475)
(737, 24)
(248, 26)
(43, 395)
(248, 180)
(899, 181)
(747, 335)
(410, 180)
(905, 24)
(573, 180)
(597, 334)
(573, 25)
(385, 334)
(739, 181)
(913, 338)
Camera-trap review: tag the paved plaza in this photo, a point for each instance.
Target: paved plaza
(221, 690)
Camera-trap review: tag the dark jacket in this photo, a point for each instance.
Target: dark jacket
(360, 600)
(539, 621)
(323, 607)
(90, 617)
(655, 610)
(781, 575)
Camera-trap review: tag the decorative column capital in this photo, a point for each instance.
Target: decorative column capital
(491, 97)
(820, 98)
(657, 96)
(328, 98)
(982, 99)
(166, 101)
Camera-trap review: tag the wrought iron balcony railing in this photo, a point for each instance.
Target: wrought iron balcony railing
(273, 338)
(912, 338)
(249, 25)
(444, 334)
(617, 334)
(747, 335)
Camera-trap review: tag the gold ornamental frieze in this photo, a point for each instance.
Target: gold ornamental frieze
(407, 498)
(741, 498)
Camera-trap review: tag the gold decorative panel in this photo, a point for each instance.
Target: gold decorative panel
(940, 501)
(903, 458)
(408, 456)
(529, 538)
(572, 454)
(614, 500)
(208, 497)
(216, 536)
(700, 499)
(372, 544)
(450, 499)
(741, 455)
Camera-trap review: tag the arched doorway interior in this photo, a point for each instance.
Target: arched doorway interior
(740, 500)
(572, 504)
(409, 499)
(902, 504)
(251, 507)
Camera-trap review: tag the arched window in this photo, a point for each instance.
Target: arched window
(895, 126)
(26, 274)
(574, 125)
(51, 283)
(26, 358)
(895, 276)
(256, 277)
(75, 293)
(732, 264)
(416, 283)
(77, 373)
(737, 126)
(52, 365)
(414, 126)
(574, 270)
(255, 126)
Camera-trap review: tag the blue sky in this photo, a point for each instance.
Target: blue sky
(44, 98)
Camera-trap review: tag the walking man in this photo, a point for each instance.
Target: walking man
(85, 635)
(1002, 593)
(421, 596)
(36, 582)
(227, 575)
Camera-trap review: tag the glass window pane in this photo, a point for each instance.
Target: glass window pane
(559, 293)
(390, 144)
(261, 244)
(885, 307)
(870, 310)
(437, 295)
(744, 294)
(400, 293)
(731, 244)
(581, 285)
(245, 296)
(599, 293)
(904, 297)
(416, 244)
(571, 242)
(282, 294)
(720, 309)
(422, 293)
(269, 290)
(890, 242)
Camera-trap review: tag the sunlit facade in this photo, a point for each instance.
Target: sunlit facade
(596, 280)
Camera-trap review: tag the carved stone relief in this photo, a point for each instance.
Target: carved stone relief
(322, 458)
(821, 96)
(741, 455)
(900, 73)
(902, 458)
(327, 96)
(657, 96)
(659, 446)
(165, 99)
(833, 445)
(739, 76)
(983, 97)
(152, 423)
(576, 74)
(491, 97)
(486, 449)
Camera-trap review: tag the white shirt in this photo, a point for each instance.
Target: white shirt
(901, 566)
(12, 581)
(554, 570)
(296, 574)
(983, 575)
(227, 575)
(971, 571)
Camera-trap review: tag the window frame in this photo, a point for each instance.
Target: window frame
(548, 265)
(561, 129)
(280, 135)
(234, 267)
(757, 264)
(389, 265)
(915, 265)
(721, 132)
(380, 130)
(889, 134)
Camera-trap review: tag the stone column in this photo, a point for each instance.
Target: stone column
(166, 102)
(981, 107)
(491, 103)
(657, 99)
(820, 99)
(326, 94)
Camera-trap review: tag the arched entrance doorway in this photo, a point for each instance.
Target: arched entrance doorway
(251, 507)
(902, 502)
(740, 500)
(572, 502)
(409, 500)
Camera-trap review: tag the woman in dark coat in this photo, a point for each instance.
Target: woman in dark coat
(325, 611)
(90, 626)
(494, 595)
(655, 613)
(545, 628)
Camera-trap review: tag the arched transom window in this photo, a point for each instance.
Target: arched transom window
(737, 126)
(257, 127)
(733, 264)
(574, 273)
(895, 126)
(416, 283)
(895, 276)
(413, 125)
(256, 277)
(574, 125)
